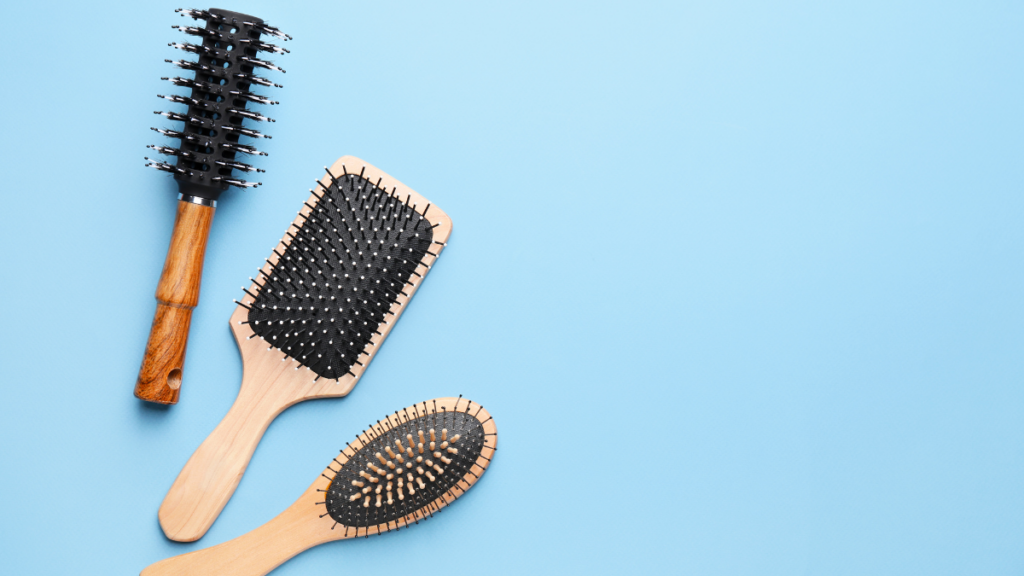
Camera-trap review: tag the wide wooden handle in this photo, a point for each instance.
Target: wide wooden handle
(211, 475)
(177, 295)
(253, 554)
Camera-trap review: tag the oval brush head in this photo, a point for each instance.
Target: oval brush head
(402, 469)
(221, 79)
(409, 466)
(333, 286)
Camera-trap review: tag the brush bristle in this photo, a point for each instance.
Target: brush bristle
(226, 49)
(409, 466)
(343, 269)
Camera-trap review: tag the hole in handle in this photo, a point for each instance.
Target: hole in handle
(174, 379)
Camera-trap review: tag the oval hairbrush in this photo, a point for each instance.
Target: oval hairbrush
(401, 470)
(313, 319)
(212, 142)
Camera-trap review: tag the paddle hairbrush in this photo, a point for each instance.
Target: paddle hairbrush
(400, 471)
(309, 325)
(210, 146)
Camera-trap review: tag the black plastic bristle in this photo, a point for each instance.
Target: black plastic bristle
(165, 167)
(201, 32)
(226, 49)
(197, 141)
(242, 149)
(250, 115)
(246, 96)
(265, 47)
(191, 83)
(245, 132)
(194, 48)
(201, 122)
(270, 30)
(238, 166)
(254, 79)
(200, 14)
(181, 99)
(256, 62)
(193, 66)
(166, 150)
(342, 271)
(235, 182)
(404, 466)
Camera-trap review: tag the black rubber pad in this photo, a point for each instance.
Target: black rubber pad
(365, 491)
(332, 287)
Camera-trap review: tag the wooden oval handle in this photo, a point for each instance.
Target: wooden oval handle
(210, 476)
(177, 295)
(257, 553)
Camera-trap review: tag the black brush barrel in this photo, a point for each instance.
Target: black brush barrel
(213, 140)
(235, 26)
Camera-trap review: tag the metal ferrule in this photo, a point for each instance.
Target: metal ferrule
(198, 200)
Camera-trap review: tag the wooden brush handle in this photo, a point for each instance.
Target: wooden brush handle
(211, 475)
(176, 296)
(256, 553)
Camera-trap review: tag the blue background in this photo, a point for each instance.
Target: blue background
(740, 283)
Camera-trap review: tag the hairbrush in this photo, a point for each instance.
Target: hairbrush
(211, 145)
(403, 469)
(313, 319)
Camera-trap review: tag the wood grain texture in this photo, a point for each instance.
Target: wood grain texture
(305, 525)
(177, 295)
(271, 382)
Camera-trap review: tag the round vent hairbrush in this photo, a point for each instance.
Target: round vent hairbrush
(403, 469)
(213, 138)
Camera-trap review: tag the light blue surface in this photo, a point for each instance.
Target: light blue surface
(740, 283)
